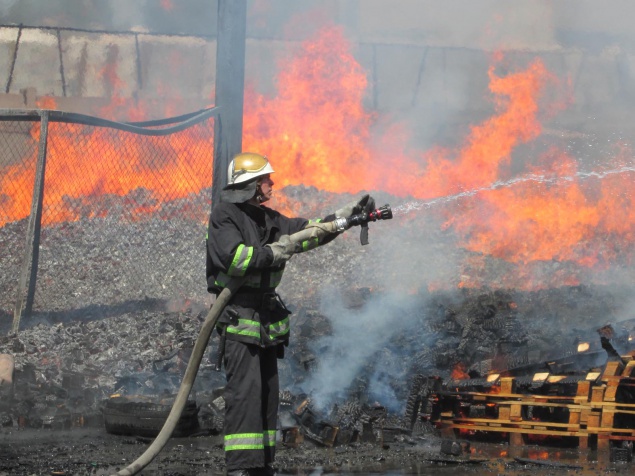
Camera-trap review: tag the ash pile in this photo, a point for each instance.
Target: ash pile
(357, 345)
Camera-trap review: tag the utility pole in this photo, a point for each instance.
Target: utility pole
(230, 86)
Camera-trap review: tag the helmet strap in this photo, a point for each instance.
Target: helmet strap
(259, 195)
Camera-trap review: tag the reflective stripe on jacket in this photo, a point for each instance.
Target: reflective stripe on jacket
(237, 235)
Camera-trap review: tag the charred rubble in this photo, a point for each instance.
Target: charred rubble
(84, 373)
(92, 354)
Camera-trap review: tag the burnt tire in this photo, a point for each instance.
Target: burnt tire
(125, 417)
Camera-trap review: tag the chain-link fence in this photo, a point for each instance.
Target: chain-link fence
(97, 216)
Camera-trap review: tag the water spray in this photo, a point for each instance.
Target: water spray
(544, 179)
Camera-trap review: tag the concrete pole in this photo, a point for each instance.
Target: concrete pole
(230, 85)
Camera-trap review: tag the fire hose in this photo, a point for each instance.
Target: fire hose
(313, 231)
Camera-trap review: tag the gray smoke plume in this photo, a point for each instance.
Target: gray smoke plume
(359, 337)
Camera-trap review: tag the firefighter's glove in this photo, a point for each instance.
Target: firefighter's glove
(352, 208)
(283, 249)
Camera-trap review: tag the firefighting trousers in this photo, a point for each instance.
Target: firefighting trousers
(251, 405)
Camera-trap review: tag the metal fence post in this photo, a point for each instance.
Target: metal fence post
(230, 85)
(31, 253)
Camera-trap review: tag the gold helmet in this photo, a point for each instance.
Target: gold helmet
(247, 166)
(242, 173)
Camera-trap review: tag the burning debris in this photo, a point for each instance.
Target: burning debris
(583, 398)
(68, 368)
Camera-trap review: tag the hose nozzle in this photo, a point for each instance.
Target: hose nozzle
(382, 213)
(362, 219)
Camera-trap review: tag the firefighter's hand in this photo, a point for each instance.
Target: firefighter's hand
(283, 249)
(352, 208)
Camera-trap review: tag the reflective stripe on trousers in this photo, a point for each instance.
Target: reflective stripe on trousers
(251, 405)
(250, 441)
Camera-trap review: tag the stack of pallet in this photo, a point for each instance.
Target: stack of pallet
(595, 409)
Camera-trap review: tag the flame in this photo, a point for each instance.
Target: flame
(459, 372)
(486, 153)
(315, 130)
(73, 186)
(544, 224)
(317, 133)
(537, 454)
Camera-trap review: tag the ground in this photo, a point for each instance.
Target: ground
(92, 451)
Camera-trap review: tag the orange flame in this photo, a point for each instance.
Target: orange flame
(316, 130)
(70, 183)
(318, 133)
(459, 372)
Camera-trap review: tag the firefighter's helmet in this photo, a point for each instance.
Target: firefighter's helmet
(243, 169)
(247, 166)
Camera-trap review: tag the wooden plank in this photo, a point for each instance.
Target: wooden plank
(628, 369)
(570, 406)
(613, 368)
(508, 385)
(7, 370)
(610, 433)
(591, 411)
(603, 444)
(611, 388)
(583, 441)
(525, 424)
(503, 396)
(599, 430)
(516, 439)
(607, 419)
(620, 405)
(528, 431)
(597, 393)
(584, 416)
(584, 389)
(603, 436)
(593, 421)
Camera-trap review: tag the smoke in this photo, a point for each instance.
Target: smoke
(358, 347)
(128, 15)
(5, 6)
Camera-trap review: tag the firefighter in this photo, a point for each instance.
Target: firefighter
(246, 238)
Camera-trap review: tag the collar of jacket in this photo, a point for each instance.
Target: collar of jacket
(261, 215)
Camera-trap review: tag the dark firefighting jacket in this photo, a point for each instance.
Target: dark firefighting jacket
(236, 240)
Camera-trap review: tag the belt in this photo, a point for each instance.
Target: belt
(267, 301)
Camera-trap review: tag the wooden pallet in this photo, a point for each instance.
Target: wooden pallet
(590, 412)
